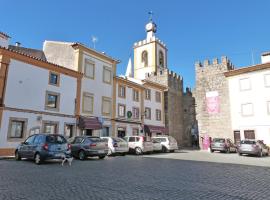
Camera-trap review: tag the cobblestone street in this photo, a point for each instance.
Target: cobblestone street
(132, 177)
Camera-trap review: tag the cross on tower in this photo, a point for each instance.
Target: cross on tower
(150, 13)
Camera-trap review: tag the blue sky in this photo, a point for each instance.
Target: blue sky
(192, 29)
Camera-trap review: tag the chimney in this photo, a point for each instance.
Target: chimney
(265, 57)
(4, 40)
(17, 44)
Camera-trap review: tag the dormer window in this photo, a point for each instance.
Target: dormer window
(161, 59)
(145, 58)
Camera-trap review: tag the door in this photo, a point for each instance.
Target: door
(89, 132)
(237, 137)
(121, 132)
(249, 134)
(27, 147)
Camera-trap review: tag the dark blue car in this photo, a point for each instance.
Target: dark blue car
(41, 147)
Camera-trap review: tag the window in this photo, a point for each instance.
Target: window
(249, 134)
(144, 58)
(121, 110)
(132, 139)
(122, 91)
(105, 131)
(88, 103)
(89, 69)
(69, 130)
(52, 101)
(39, 139)
(17, 127)
(135, 113)
(135, 95)
(54, 79)
(245, 84)
(147, 113)
(158, 115)
(135, 131)
(107, 75)
(148, 94)
(267, 80)
(158, 96)
(34, 130)
(50, 127)
(247, 109)
(161, 59)
(30, 140)
(106, 106)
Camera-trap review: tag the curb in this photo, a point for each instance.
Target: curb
(7, 157)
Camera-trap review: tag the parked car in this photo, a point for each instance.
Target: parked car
(223, 145)
(253, 147)
(116, 145)
(88, 146)
(139, 144)
(157, 147)
(168, 143)
(41, 147)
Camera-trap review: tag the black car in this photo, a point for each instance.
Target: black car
(88, 146)
(41, 147)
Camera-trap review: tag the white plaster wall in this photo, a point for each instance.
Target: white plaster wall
(154, 105)
(4, 42)
(97, 86)
(27, 85)
(128, 101)
(258, 96)
(32, 122)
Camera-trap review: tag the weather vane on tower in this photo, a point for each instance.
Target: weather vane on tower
(150, 13)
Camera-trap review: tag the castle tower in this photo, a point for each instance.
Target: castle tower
(150, 54)
(150, 62)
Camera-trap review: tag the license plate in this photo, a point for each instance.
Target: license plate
(101, 151)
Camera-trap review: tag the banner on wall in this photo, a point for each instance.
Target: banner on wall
(212, 102)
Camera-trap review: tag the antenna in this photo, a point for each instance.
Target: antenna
(94, 40)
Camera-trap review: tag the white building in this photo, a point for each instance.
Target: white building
(97, 98)
(35, 96)
(139, 107)
(249, 90)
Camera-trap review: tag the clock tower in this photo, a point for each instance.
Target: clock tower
(150, 54)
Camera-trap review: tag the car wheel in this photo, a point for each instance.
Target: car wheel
(81, 155)
(38, 159)
(211, 150)
(164, 149)
(17, 155)
(172, 151)
(240, 154)
(228, 150)
(260, 154)
(101, 157)
(138, 151)
(123, 154)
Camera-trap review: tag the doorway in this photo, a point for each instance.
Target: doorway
(89, 132)
(237, 137)
(121, 132)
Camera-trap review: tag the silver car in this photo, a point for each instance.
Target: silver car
(157, 147)
(139, 144)
(116, 145)
(253, 147)
(168, 143)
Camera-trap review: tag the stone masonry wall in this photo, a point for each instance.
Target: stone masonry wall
(173, 102)
(210, 77)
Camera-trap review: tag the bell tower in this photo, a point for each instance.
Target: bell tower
(150, 54)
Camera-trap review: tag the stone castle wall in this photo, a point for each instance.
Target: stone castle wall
(173, 99)
(210, 77)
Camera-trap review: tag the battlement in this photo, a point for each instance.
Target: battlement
(146, 41)
(215, 63)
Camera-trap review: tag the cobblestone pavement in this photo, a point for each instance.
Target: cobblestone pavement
(232, 158)
(132, 177)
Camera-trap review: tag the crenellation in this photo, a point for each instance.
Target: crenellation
(215, 61)
(206, 63)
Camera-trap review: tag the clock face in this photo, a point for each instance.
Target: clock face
(149, 26)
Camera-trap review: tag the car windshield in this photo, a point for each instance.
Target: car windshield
(219, 140)
(248, 142)
(55, 139)
(118, 140)
(95, 139)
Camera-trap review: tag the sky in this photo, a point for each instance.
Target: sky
(193, 30)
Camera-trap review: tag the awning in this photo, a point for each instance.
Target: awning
(155, 129)
(89, 123)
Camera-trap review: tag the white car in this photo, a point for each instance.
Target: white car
(168, 143)
(139, 144)
(116, 145)
(156, 145)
